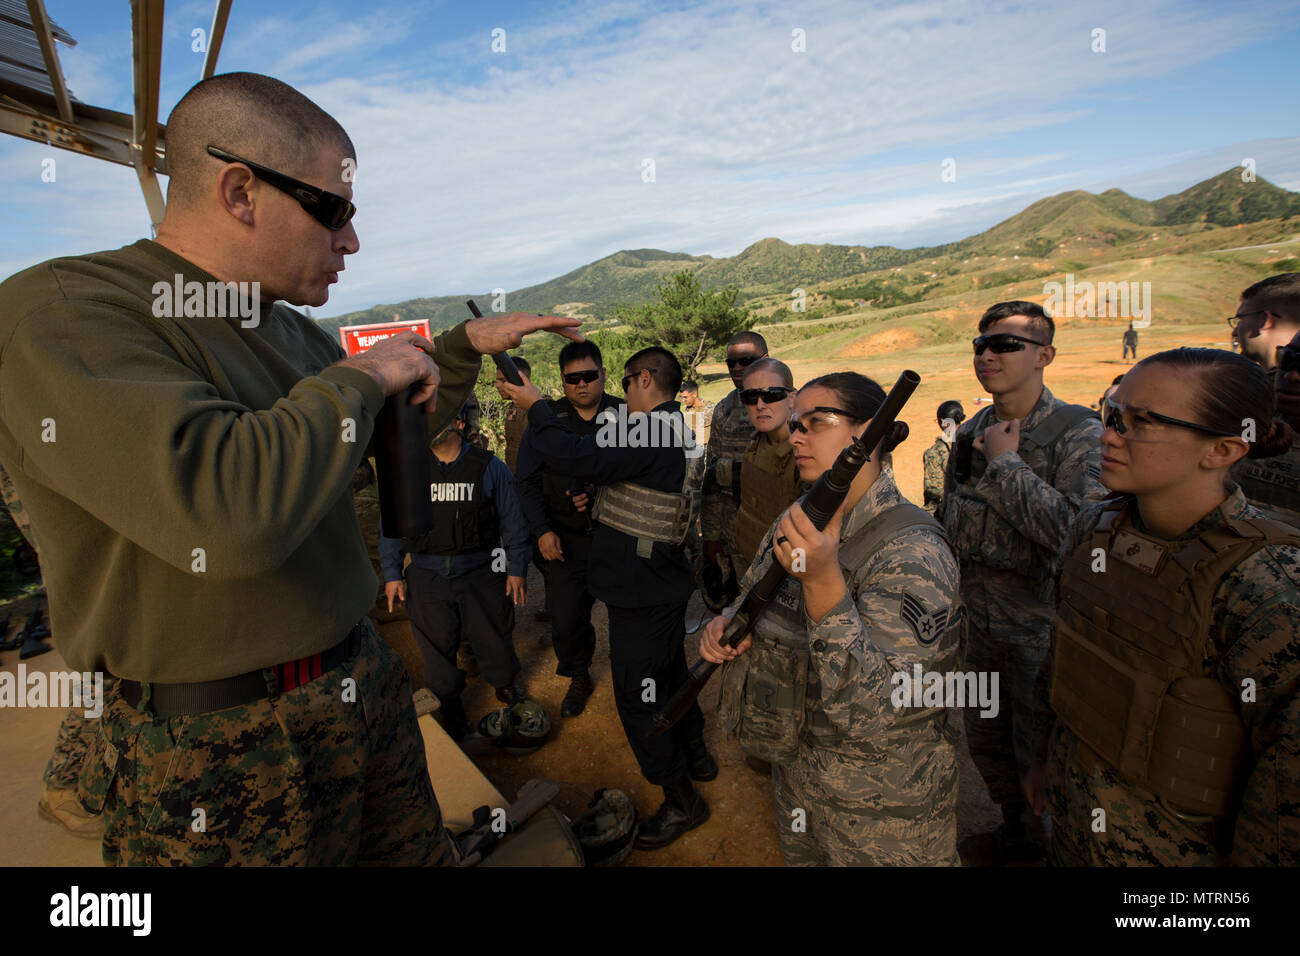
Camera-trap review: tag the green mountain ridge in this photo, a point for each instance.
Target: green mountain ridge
(1070, 227)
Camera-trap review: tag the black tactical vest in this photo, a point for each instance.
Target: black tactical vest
(464, 516)
(559, 506)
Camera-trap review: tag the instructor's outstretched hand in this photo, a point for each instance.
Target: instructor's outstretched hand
(501, 333)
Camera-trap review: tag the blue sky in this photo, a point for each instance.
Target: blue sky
(479, 169)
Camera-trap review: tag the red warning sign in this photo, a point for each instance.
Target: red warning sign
(358, 338)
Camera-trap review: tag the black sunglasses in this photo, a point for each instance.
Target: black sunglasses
(586, 375)
(1002, 342)
(331, 211)
(1115, 414)
(628, 378)
(744, 361)
(777, 393)
(796, 421)
(1288, 358)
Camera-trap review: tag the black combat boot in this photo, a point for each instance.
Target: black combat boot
(683, 809)
(513, 692)
(454, 719)
(699, 762)
(575, 699)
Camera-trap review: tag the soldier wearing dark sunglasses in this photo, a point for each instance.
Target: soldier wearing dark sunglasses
(230, 576)
(731, 434)
(1018, 472)
(551, 496)
(769, 473)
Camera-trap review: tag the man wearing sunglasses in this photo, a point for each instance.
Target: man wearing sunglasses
(203, 543)
(550, 495)
(638, 568)
(732, 432)
(1273, 484)
(1268, 316)
(1019, 471)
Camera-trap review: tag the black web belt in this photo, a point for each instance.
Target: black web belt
(201, 697)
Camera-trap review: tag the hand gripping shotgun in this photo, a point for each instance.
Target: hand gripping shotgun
(821, 503)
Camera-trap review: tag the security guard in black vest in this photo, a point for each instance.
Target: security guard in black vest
(638, 567)
(465, 576)
(564, 534)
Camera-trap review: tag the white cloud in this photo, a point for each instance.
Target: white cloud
(480, 170)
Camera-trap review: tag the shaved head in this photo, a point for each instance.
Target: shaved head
(250, 115)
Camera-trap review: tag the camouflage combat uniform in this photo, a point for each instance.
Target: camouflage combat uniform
(78, 734)
(516, 423)
(856, 781)
(730, 436)
(1254, 634)
(935, 461)
(279, 781)
(1272, 484)
(1005, 526)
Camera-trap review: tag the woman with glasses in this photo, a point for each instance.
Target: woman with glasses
(769, 478)
(862, 774)
(1176, 649)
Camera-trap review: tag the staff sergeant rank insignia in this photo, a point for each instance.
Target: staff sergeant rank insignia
(926, 627)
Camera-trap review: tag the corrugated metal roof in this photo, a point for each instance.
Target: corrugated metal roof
(20, 52)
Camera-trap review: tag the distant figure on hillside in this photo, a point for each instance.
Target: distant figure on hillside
(1130, 342)
(935, 458)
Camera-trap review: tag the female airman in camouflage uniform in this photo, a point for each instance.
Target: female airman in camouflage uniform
(1176, 644)
(856, 780)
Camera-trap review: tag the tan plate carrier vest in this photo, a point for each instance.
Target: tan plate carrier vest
(766, 495)
(1129, 675)
(1272, 484)
(646, 514)
(771, 698)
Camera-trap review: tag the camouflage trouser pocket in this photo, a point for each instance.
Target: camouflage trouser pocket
(731, 693)
(772, 705)
(95, 781)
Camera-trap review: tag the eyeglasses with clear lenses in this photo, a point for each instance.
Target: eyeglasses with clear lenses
(819, 419)
(1142, 424)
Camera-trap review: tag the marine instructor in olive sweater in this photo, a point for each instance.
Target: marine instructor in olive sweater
(188, 461)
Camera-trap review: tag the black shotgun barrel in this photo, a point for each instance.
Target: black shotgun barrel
(504, 361)
(821, 503)
(402, 467)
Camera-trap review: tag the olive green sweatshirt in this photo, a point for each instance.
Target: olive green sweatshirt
(190, 476)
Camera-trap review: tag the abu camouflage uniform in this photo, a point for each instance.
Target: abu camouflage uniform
(1272, 484)
(1254, 636)
(877, 785)
(1005, 525)
(280, 781)
(78, 734)
(730, 436)
(935, 462)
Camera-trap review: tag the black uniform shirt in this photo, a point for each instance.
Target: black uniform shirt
(615, 574)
